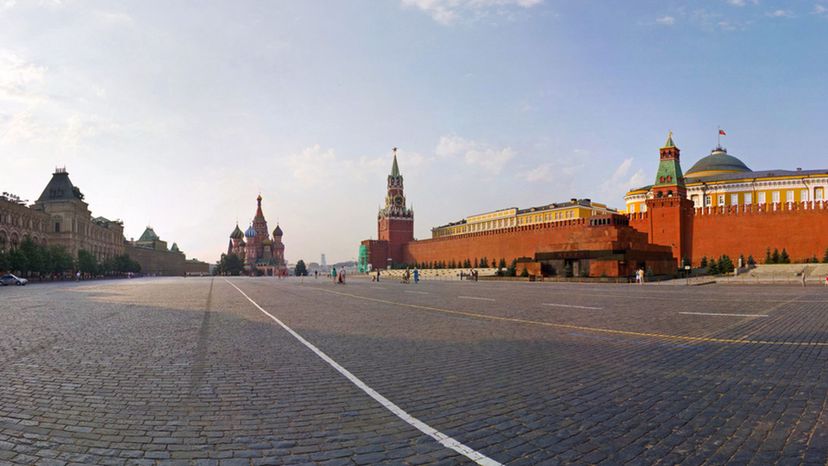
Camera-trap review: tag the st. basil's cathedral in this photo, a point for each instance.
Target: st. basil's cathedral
(260, 254)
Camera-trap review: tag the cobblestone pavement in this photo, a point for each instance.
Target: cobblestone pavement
(188, 371)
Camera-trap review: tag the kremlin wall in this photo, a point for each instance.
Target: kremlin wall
(720, 207)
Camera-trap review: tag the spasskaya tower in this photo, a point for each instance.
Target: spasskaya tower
(395, 222)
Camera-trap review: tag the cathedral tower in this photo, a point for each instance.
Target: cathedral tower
(395, 222)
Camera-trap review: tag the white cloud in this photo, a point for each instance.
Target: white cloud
(666, 20)
(113, 18)
(781, 14)
(819, 9)
(491, 159)
(620, 181)
(741, 3)
(20, 80)
(447, 12)
(82, 127)
(562, 170)
(20, 127)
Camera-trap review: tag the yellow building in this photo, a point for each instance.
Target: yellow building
(720, 179)
(512, 217)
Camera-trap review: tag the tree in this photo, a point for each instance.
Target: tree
(775, 256)
(87, 262)
(512, 270)
(4, 261)
(725, 264)
(525, 272)
(825, 257)
(466, 264)
(18, 262)
(484, 263)
(814, 260)
(751, 261)
(768, 257)
(712, 267)
(784, 258)
(742, 260)
(703, 262)
(301, 269)
(502, 263)
(230, 264)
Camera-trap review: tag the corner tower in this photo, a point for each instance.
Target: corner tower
(395, 221)
(670, 213)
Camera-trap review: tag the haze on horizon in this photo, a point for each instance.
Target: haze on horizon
(177, 114)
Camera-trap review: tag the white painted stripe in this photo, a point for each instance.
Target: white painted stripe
(416, 292)
(573, 306)
(477, 298)
(717, 314)
(444, 439)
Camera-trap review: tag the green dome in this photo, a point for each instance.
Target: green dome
(717, 162)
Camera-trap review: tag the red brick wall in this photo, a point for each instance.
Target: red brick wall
(735, 231)
(397, 232)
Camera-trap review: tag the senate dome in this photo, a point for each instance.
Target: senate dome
(717, 163)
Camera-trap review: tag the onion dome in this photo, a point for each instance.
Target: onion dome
(717, 163)
(242, 243)
(250, 233)
(237, 233)
(278, 231)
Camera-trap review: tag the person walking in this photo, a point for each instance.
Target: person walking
(803, 279)
(333, 274)
(342, 275)
(378, 275)
(416, 276)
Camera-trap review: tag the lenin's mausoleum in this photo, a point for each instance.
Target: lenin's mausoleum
(719, 207)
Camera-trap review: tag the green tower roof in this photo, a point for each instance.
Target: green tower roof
(395, 169)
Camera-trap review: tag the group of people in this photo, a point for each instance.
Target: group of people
(639, 276)
(470, 275)
(338, 277)
(406, 277)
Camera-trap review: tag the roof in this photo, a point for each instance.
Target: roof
(149, 235)
(718, 160)
(758, 174)
(174, 248)
(669, 142)
(60, 187)
(251, 232)
(395, 169)
(237, 233)
(277, 231)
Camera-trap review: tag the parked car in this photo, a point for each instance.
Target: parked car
(10, 279)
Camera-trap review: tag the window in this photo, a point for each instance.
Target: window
(748, 198)
(57, 227)
(775, 197)
(819, 194)
(789, 195)
(720, 200)
(803, 195)
(734, 199)
(695, 199)
(632, 208)
(762, 198)
(708, 200)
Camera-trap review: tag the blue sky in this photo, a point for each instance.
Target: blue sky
(179, 113)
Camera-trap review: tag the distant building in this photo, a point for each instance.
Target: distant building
(260, 254)
(18, 221)
(323, 262)
(71, 225)
(512, 216)
(151, 252)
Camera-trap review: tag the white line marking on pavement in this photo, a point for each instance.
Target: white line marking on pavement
(725, 315)
(476, 297)
(416, 292)
(444, 439)
(573, 306)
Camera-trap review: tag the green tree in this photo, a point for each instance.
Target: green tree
(501, 264)
(768, 257)
(703, 262)
(18, 262)
(35, 254)
(231, 264)
(466, 264)
(751, 261)
(725, 264)
(511, 271)
(825, 257)
(525, 272)
(484, 263)
(4, 261)
(775, 256)
(814, 260)
(784, 258)
(87, 262)
(301, 269)
(713, 267)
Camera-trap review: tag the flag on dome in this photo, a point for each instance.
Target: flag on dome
(722, 132)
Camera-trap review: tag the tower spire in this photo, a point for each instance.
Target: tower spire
(395, 169)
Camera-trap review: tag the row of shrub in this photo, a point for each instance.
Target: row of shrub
(34, 259)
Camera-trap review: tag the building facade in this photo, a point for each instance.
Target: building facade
(17, 221)
(722, 180)
(156, 259)
(70, 223)
(719, 207)
(512, 216)
(260, 254)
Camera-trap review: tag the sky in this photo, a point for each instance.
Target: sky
(178, 114)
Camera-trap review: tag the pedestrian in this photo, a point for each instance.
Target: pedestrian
(378, 275)
(315, 274)
(333, 274)
(826, 281)
(342, 275)
(803, 279)
(416, 276)
(641, 276)
(77, 276)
